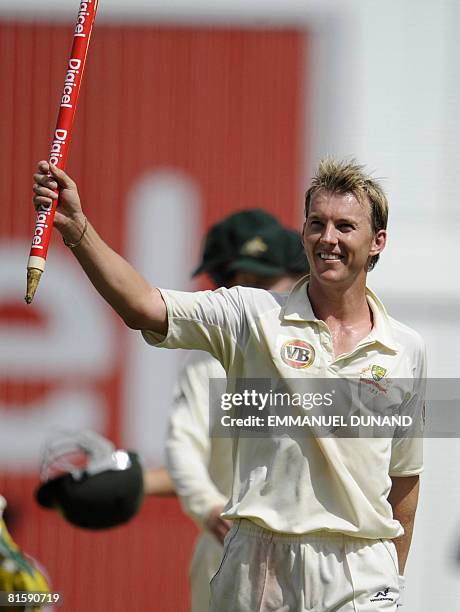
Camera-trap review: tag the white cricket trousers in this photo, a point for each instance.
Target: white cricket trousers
(264, 571)
(205, 563)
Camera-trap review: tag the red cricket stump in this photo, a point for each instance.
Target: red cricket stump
(61, 139)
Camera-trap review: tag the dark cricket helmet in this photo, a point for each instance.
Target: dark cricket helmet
(93, 485)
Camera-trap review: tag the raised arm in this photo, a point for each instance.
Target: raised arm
(138, 303)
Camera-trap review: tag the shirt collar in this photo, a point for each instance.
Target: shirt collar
(382, 330)
(298, 308)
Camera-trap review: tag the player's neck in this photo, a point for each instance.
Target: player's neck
(345, 304)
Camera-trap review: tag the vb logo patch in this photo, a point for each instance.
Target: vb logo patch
(297, 354)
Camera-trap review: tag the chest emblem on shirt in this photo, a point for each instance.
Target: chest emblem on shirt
(378, 372)
(297, 354)
(374, 377)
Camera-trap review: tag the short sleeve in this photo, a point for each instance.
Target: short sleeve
(407, 447)
(211, 321)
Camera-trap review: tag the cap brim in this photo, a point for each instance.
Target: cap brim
(209, 266)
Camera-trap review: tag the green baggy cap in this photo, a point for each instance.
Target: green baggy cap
(224, 239)
(272, 251)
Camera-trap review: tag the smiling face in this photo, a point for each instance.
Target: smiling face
(338, 238)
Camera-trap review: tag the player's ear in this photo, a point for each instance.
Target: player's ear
(379, 240)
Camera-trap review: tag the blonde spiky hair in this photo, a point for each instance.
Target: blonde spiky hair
(347, 176)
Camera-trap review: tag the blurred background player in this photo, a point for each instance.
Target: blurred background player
(250, 249)
(220, 248)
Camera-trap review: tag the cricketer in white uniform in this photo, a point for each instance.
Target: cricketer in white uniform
(257, 252)
(315, 486)
(314, 517)
(335, 489)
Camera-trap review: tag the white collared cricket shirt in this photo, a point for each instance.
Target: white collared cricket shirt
(299, 484)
